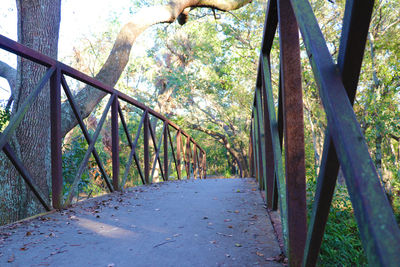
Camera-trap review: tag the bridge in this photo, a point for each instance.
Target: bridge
(206, 222)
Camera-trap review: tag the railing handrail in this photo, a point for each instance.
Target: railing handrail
(35, 56)
(55, 75)
(344, 144)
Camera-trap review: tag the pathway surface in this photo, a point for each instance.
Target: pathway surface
(214, 222)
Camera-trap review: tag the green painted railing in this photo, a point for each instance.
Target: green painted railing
(344, 145)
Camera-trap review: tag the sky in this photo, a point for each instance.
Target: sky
(78, 18)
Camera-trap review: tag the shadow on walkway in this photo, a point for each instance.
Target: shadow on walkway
(213, 222)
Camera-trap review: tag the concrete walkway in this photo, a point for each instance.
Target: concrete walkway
(214, 222)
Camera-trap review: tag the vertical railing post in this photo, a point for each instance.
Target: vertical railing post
(166, 175)
(261, 144)
(115, 143)
(187, 157)
(146, 156)
(292, 101)
(251, 163)
(178, 152)
(268, 149)
(201, 164)
(56, 139)
(255, 152)
(256, 144)
(204, 165)
(195, 163)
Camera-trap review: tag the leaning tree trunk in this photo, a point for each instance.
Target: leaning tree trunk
(109, 74)
(38, 28)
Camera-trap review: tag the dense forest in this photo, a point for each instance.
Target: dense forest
(200, 73)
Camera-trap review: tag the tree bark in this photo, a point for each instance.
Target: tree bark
(38, 28)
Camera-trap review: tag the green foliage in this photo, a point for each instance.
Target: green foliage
(73, 154)
(4, 118)
(341, 245)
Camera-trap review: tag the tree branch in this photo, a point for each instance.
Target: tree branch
(10, 74)
(109, 74)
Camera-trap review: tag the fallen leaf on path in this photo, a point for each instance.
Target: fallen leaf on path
(254, 189)
(238, 245)
(224, 234)
(11, 259)
(230, 226)
(28, 233)
(259, 254)
(280, 258)
(52, 234)
(236, 211)
(23, 249)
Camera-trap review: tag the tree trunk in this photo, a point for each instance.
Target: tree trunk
(38, 28)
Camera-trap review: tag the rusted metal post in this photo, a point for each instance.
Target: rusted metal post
(188, 171)
(261, 142)
(178, 152)
(115, 143)
(256, 144)
(166, 175)
(205, 165)
(201, 165)
(195, 163)
(293, 132)
(268, 149)
(251, 162)
(146, 156)
(56, 139)
(255, 157)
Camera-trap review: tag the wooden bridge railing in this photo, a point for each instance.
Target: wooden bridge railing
(344, 143)
(194, 157)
